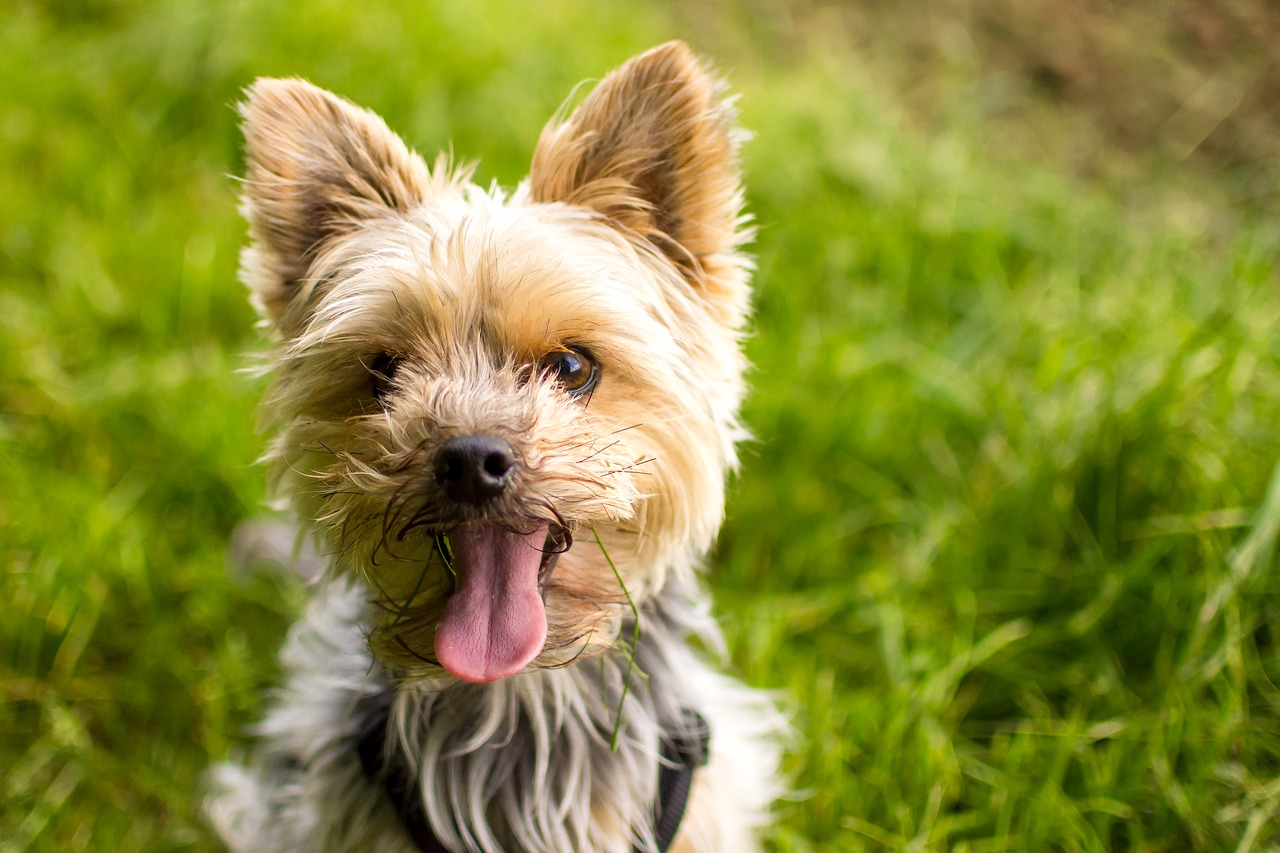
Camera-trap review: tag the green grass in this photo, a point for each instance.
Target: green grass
(1006, 537)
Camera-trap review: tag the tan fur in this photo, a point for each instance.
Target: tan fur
(625, 242)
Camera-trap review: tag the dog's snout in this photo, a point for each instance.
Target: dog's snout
(474, 468)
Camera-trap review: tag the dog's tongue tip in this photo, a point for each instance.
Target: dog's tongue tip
(494, 624)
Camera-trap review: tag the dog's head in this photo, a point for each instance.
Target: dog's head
(472, 389)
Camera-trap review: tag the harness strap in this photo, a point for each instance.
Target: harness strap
(681, 755)
(397, 780)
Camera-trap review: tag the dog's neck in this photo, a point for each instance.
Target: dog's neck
(532, 762)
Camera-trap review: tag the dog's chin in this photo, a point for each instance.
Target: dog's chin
(495, 621)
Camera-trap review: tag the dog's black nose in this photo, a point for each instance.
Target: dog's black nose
(474, 468)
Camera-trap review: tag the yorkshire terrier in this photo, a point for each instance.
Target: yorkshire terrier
(508, 418)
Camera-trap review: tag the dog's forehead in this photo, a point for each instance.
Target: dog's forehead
(530, 276)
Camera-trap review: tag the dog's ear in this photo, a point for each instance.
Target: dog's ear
(318, 166)
(654, 150)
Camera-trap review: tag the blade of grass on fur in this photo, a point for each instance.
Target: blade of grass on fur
(445, 550)
(635, 641)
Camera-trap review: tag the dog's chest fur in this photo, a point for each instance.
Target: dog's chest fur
(527, 766)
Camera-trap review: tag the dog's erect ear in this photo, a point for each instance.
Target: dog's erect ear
(654, 149)
(318, 166)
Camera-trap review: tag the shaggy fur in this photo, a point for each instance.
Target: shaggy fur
(414, 309)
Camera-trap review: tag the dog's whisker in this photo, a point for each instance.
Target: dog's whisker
(588, 458)
(628, 468)
(593, 439)
(418, 655)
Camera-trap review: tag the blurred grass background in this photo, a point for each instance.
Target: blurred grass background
(1006, 537)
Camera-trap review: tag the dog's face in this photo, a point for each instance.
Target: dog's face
(472, 389)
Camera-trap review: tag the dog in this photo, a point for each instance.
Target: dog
(508, 419)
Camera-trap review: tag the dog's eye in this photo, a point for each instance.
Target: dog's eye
(382, 370)
(572, 368)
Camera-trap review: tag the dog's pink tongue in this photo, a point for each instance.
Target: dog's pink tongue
(494, 623)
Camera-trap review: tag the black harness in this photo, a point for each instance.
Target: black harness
(681, 755)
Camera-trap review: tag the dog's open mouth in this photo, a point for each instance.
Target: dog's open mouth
(495, 622)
